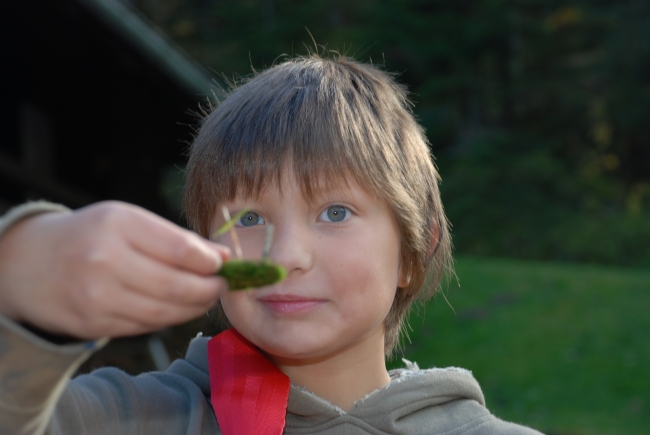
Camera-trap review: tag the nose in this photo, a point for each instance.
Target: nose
(292, 247)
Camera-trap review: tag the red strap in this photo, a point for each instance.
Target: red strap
(249, 393)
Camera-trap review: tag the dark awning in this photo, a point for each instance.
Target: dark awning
(96, 105)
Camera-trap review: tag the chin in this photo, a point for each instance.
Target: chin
(286, 346)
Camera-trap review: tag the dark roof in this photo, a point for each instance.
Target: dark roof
(96, 105)
(152, 43)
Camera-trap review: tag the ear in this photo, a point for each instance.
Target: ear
(403, 281)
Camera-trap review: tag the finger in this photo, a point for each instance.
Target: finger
(151, 313)
(176, 246)
(129, 313)
(114, 327)
(159, 280)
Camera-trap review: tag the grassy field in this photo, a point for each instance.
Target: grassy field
(562, 348)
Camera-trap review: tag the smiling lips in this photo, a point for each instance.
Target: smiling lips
(289, 304)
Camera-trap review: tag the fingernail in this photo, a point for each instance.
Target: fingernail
(225, 251)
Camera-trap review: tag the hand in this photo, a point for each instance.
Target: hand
(109, 269)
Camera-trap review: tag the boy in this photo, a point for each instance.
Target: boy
(328, 152)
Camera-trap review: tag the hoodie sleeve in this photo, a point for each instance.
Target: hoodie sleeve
(33, 375)
(29, 209)
(37, 396)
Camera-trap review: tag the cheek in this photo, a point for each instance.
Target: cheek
(237, 307)
(366, 277)
(251, 242)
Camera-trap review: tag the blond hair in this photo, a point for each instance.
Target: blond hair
(328, 119)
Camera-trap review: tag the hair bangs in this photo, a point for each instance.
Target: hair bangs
(323, 125)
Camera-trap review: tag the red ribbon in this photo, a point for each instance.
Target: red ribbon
(249, 394)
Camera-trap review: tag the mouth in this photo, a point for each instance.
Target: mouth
(290, 304)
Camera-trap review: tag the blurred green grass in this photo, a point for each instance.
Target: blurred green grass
(558, 347)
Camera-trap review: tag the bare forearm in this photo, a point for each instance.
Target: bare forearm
(12, 220)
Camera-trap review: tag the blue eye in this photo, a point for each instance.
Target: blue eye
(250, 219)
(335, 213)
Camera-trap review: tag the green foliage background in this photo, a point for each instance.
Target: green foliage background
(538, 111)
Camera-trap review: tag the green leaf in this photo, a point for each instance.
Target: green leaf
(225, 227)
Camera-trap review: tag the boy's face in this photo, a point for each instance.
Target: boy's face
(341, 252)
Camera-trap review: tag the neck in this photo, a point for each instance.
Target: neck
(342, 378)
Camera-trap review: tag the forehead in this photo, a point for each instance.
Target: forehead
(311, 187)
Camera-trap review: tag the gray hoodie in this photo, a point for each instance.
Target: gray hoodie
(37, 396)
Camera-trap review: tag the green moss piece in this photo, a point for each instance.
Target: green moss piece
(248, 274)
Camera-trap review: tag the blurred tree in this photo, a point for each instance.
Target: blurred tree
(538, 110)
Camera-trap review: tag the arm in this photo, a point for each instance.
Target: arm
(108, 270)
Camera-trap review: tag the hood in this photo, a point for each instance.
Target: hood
(434, 400)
